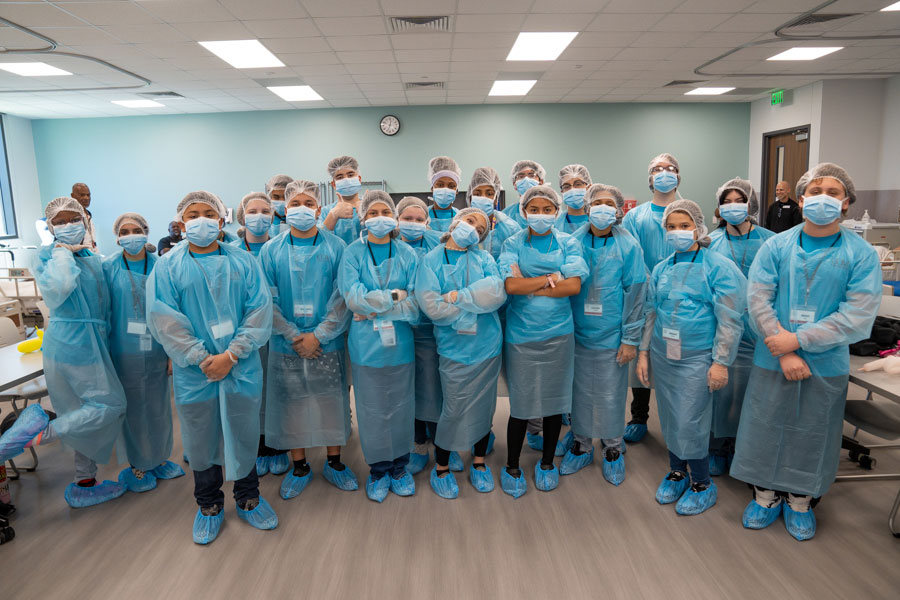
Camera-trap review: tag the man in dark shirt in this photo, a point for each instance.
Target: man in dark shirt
(166, 243)
(784, 212)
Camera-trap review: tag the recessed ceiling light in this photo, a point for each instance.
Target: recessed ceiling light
(33, 69)
(804, 53)
(295, 93)
(708, 91)
(243, 54)
(137, 103)
(894, 6)
(514, 87)
(540, 45)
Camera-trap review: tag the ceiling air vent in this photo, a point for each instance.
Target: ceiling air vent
(169, 95)
(424, 85)
(419, 24)
(678, 82)
(820, 18)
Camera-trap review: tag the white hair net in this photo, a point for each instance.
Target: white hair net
(373, 197)
(61, 204)
(342, 162)
(691, 209)
(572, 171)
(471, 210)
(200, 197)
(277, 182)
(133, 218)
(484, 176)
(528, 164)
(744, 187)
(443, 166)
(827, 170)
(302, 186)
(600, 189)
(239, 213)
(408, 201)
(539, 191)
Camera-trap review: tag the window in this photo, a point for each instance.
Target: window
(7, 212)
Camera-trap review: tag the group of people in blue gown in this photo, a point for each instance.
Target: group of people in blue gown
(423, 309)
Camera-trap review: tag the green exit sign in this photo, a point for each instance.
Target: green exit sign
(777, 97)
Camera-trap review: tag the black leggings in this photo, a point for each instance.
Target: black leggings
(640, 405)
(265, 450)
(515, 437)
(442, 457)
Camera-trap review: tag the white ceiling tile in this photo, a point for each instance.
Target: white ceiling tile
(34, 14)
(478, 66)
(319, 75)
(376, 77)
(174, 50)
(478, 54)
(375, 56)
(604, 39)
(588, 54)
(214, 31)
(642, 6)
(717, 39)
(489, 23)
(71, 36)
(472, 75)
(351, 26)
(393, 86)
(108, 13)
(309, 58)
(714, 6)
(690, 22)
(282, 28)
(409, 56)
(408, 8)
(625, 22)
(136, 34)
(567, 6)
(359, 43)
(179, 11)
(659, 39)
(265, 9)
(493, 6)
(363, 68)
(756, 23)
(426, 68)
(556, 22)
(330, 8)
(782, 6)
(412, 41)
(295, 45)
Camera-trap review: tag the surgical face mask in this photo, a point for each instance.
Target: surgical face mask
(443, 197)
(602, 216)
(258, 223)
(412, 230)
(464, 235)
(734, 213)
(822, 209)
(301, 217)
(525, 184)
(381, 226)
(680, 239)
(574, 197)
(665, 182)
(202, 231)
(133, 243)
(348, 187)
(70, 233)
(541, 224)
(278, 206)
(485, 204)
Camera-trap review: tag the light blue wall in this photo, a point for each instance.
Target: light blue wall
(146, 164)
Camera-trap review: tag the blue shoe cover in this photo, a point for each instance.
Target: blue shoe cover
(279, 464)
(546, 480)
(456, 462)
(30, 422)
(572, 463)
(416, 463)
(514, 486)
(635, 432)
(567, 419)
(261, 517)
(206, 529)
(564, 445)
(535, 441)
(718, 465)
(669, 491)
(482, 480)
(82, 497)
(760, 517)
(342, 480)
(694, 503)
(378, 490)
(802, 526)
(614, 471)
(405, 486)
(168, 470)
(490, 446)
(131, 481)
(292, 486)
(262, 465)
(446, 486)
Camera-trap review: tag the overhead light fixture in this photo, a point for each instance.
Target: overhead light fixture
(892, 7)
(138, 103)
(512, 87)
(295, 93)
(540, 45)
(243, 54)
(708, 91)
(805, 53)
(33, 69)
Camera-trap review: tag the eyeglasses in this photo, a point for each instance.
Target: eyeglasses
(578, 183)
(661, 168)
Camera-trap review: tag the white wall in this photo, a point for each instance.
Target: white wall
(24, 179)
(889, 167)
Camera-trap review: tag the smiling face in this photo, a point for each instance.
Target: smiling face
(540, 206)
(82, 193)
(680, 221)
(379, 209)
(414, 214)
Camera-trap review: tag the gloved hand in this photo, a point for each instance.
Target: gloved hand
(626, 354)
(643, 368)
(451, 297)
(717, 377)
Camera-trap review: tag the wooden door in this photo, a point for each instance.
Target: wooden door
(785, 158)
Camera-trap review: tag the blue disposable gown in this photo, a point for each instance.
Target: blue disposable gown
(502, 228)
(512, 211)
(438, 221)
(469, 340)
(279, 225)
(608, 312)
(81, 379)
(381, 348)
(789, 437)
(570, 224)
(645, 224)
(727, 402)
(199, 306)
(141, 364)
(540, 344)
(346, 229)
(307, 401)
(702, 296)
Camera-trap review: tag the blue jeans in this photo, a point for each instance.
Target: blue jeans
(396, 467)
(208, 487)
(699, 468)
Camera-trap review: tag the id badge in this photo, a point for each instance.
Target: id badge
(146, 344)
(136, 327)
(468, 329)
(303, 310)
(386, 331)
(593, 309)
(273, 289)
(221, 329)
(801, 315)
(673, 343)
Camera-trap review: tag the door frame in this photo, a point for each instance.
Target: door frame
(764, 204)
